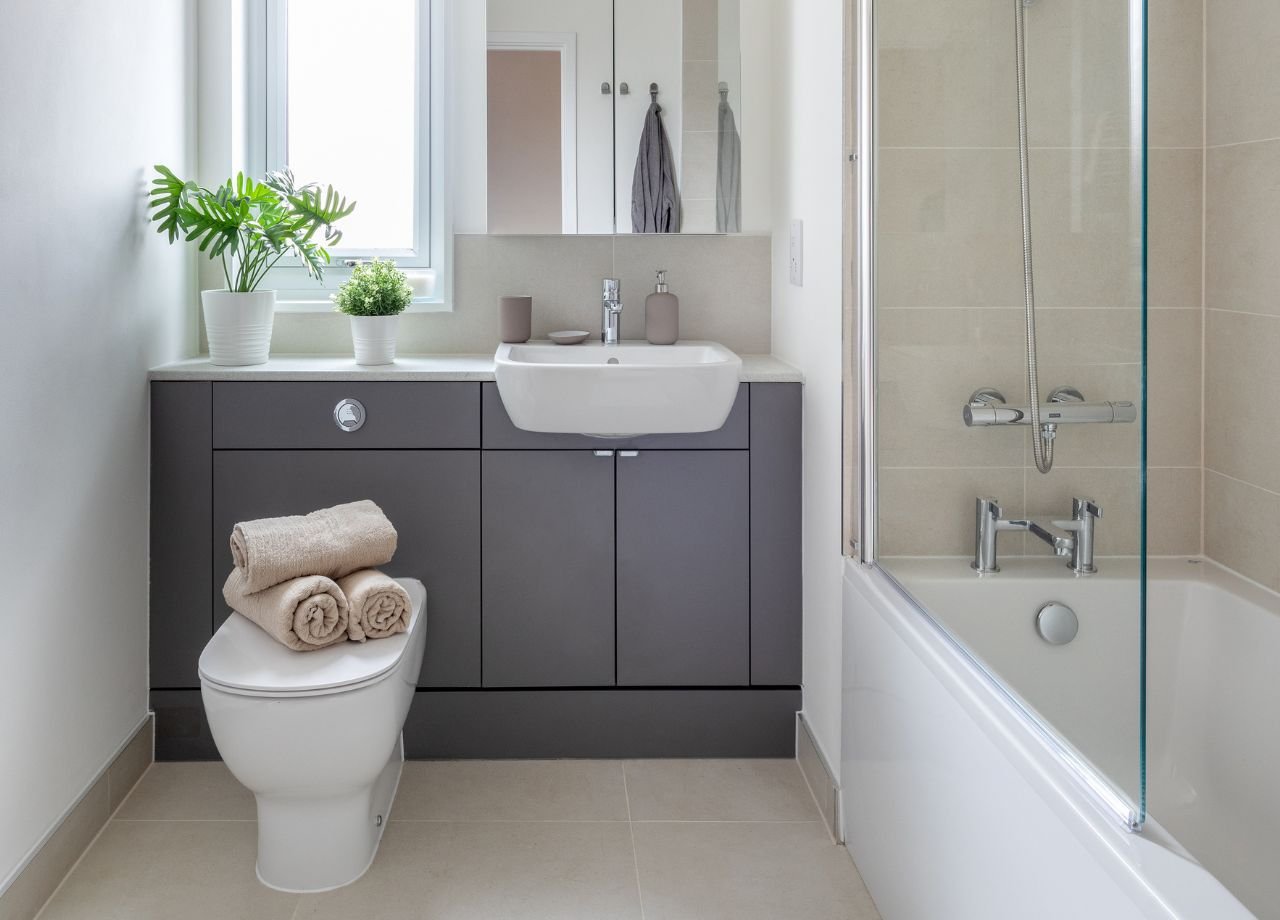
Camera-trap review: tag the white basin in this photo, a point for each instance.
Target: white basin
(628, 389)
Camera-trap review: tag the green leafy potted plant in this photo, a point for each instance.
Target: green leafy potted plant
(249, 226)
(374, 297)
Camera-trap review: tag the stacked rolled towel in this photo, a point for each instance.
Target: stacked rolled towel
(379, 606)
(305, 613)
(287, 569)
(332, 542)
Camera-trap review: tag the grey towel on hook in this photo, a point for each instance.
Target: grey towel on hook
(728, 173)
(655, 201)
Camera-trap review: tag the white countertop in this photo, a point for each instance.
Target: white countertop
(755, 369)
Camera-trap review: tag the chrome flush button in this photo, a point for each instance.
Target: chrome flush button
(349, 415)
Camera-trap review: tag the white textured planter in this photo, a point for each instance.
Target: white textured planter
(374, 338)
(238, 326)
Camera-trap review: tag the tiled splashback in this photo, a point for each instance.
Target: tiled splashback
(1242, 289)
(723, 283)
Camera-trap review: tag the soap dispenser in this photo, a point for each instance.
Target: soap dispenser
(661, 314)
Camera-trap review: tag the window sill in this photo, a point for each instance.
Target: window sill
(324, 305)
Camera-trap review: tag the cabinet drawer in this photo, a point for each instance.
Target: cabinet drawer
(501, 434)
(301, 415)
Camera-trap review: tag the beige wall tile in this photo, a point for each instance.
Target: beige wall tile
(701, 30)
(1078, 72)
(698, 168)
(1243, 70)
(723, 282)
(1173, 511)
(698, 215)
(1242, 439)
(1175, 97)
(1242, 224)
(929, 363)
(1242, 528)
(948, 229)
(1175, 218)
(1114, 490)
(945, 79)
(929, 512)
(1087, 230)
(1097, 336)
(22, 899)
(1175, 378)
(701, 99)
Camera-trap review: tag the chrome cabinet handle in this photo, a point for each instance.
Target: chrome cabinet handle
(349, 415)
(628, 453)
(603, 453)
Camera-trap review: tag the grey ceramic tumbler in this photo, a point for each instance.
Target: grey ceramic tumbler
(515, 318)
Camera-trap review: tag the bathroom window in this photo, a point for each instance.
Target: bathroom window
(346, 96)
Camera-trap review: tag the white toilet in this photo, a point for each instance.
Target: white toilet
(316, 737)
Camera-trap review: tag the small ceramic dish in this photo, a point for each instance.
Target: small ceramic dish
(571, 337)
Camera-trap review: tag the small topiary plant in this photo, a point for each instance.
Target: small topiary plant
(375, 288)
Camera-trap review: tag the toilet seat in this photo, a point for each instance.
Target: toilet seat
(242, 659)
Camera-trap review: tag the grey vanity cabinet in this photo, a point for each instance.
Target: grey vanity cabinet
(684, 599)
(588, 597)
(548, 568)
(431, 496)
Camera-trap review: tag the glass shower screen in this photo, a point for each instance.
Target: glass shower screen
(1010, 351)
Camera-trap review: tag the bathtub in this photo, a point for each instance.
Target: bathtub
(957, 804)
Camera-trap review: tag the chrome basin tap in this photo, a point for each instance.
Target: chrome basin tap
(1078, 544)
(610, 311)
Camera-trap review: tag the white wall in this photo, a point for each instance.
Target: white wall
(808, 169)
(91, 94)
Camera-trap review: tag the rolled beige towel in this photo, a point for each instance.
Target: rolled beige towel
(332, 542)
(379, 606)
(306, 613)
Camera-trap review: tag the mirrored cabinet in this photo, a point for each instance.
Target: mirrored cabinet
(618, 117)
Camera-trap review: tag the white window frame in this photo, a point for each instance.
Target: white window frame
(566, 45)
(267, 73)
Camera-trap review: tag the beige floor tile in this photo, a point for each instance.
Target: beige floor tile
(492, 871)
(511, 790)
(162, 870)
(718, 790)
(743, 871)
(188, 792)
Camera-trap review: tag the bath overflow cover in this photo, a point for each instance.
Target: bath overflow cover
(1057, 623)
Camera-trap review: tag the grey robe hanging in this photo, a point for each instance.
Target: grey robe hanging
(655, 201)
(728, 173)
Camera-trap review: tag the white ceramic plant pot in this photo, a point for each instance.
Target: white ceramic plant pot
(374, 338)
(238, 326)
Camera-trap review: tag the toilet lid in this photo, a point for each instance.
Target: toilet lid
(242, 657)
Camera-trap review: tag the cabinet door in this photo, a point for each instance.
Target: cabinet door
(684, 605)
(433, 499)
(548, 569)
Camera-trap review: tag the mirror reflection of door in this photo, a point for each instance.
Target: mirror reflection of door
(532, 91)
